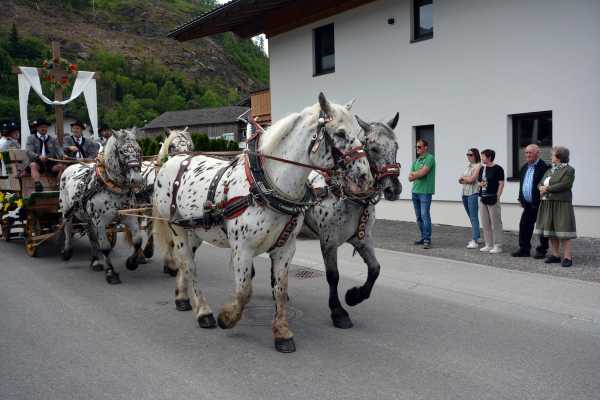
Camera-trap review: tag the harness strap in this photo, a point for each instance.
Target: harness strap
(362, 224)
(285, 233)
(183, 167)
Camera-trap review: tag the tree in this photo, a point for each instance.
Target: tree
(13, 39)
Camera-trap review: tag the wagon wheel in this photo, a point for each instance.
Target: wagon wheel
(30, 231)
(111, 234)
(5, 226)
(31, 249)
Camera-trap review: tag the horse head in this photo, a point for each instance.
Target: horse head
(123, 159)
(334, 146)
(381, 146)
(179, 141)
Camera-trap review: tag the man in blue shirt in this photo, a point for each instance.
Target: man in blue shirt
(529, 197)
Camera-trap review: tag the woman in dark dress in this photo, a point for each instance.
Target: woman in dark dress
(556, 217)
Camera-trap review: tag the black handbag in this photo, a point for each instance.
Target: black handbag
(489, 200)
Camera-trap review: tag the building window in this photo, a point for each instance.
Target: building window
(422, 19)
(324, 47)
(426, 132)
(530, 128)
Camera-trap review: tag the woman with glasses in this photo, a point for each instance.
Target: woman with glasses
(470, 194)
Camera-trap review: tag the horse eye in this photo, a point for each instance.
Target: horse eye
(375, 150)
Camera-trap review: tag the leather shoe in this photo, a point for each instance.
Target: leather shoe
(520, 253)
(419, 242)
(566, 262)
(552, 260)
(539, 256)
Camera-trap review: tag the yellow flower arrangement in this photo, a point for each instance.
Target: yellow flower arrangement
(10, 201)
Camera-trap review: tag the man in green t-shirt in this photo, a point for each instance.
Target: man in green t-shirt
(422, 175)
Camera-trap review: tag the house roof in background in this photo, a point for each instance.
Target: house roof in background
(248, 18)
(200, 116)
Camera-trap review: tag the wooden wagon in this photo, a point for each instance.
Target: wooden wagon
(27, 214)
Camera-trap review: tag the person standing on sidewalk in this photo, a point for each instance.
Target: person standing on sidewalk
(529, 197)
(556, 217)
(470, 194)
(491, 185)
(422, 175)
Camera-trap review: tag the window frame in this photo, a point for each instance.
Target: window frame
(514, 138)
(317, 58)
(417, 135)
(415, 15)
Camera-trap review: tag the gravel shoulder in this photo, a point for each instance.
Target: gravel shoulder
(450, 241)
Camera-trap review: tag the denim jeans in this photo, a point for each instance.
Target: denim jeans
(471, 204)
(422, 204)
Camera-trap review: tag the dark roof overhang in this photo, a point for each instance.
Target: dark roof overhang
(248, 18)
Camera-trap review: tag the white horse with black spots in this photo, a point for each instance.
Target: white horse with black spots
(320, 136)
(177, 142)
(344, 219)
(94, 193)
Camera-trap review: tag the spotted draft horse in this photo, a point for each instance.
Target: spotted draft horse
(177, 142)
(340, 219)
(254, 205)
(94, 193)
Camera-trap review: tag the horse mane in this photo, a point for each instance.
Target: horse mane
(280, 129)
(163, 153)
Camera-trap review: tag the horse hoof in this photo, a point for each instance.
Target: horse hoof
(167, 270)
(96, 266)
(131, 263)
(113, 278)
(224, 321)
(148, 251)
(341, 321)
(141, 260)
(207, 321)
(183, 305)
(66, 255)
(354, 296)
(285, 345)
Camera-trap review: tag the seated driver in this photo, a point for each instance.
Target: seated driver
(78, 147)
(42, 149)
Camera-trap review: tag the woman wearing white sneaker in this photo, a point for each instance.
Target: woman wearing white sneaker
(470, 194)
(491, 185)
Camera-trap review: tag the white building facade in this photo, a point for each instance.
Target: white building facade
(488, 68)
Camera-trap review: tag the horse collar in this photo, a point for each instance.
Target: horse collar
(106, 181)
(262, 190)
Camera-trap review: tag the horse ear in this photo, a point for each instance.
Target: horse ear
(133, 131)
(394, 121)
(324, 103)
(364, 125)
(169, 131)
(349, 104)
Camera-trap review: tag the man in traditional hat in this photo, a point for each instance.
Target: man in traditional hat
(41, 148)
(105, 133)
(11, 134)
(78, 147)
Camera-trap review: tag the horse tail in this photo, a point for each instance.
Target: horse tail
(128, 236)
(161, 232)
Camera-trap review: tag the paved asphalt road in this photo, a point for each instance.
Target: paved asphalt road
(65, 334)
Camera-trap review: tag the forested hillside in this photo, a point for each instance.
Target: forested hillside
(142, 72)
